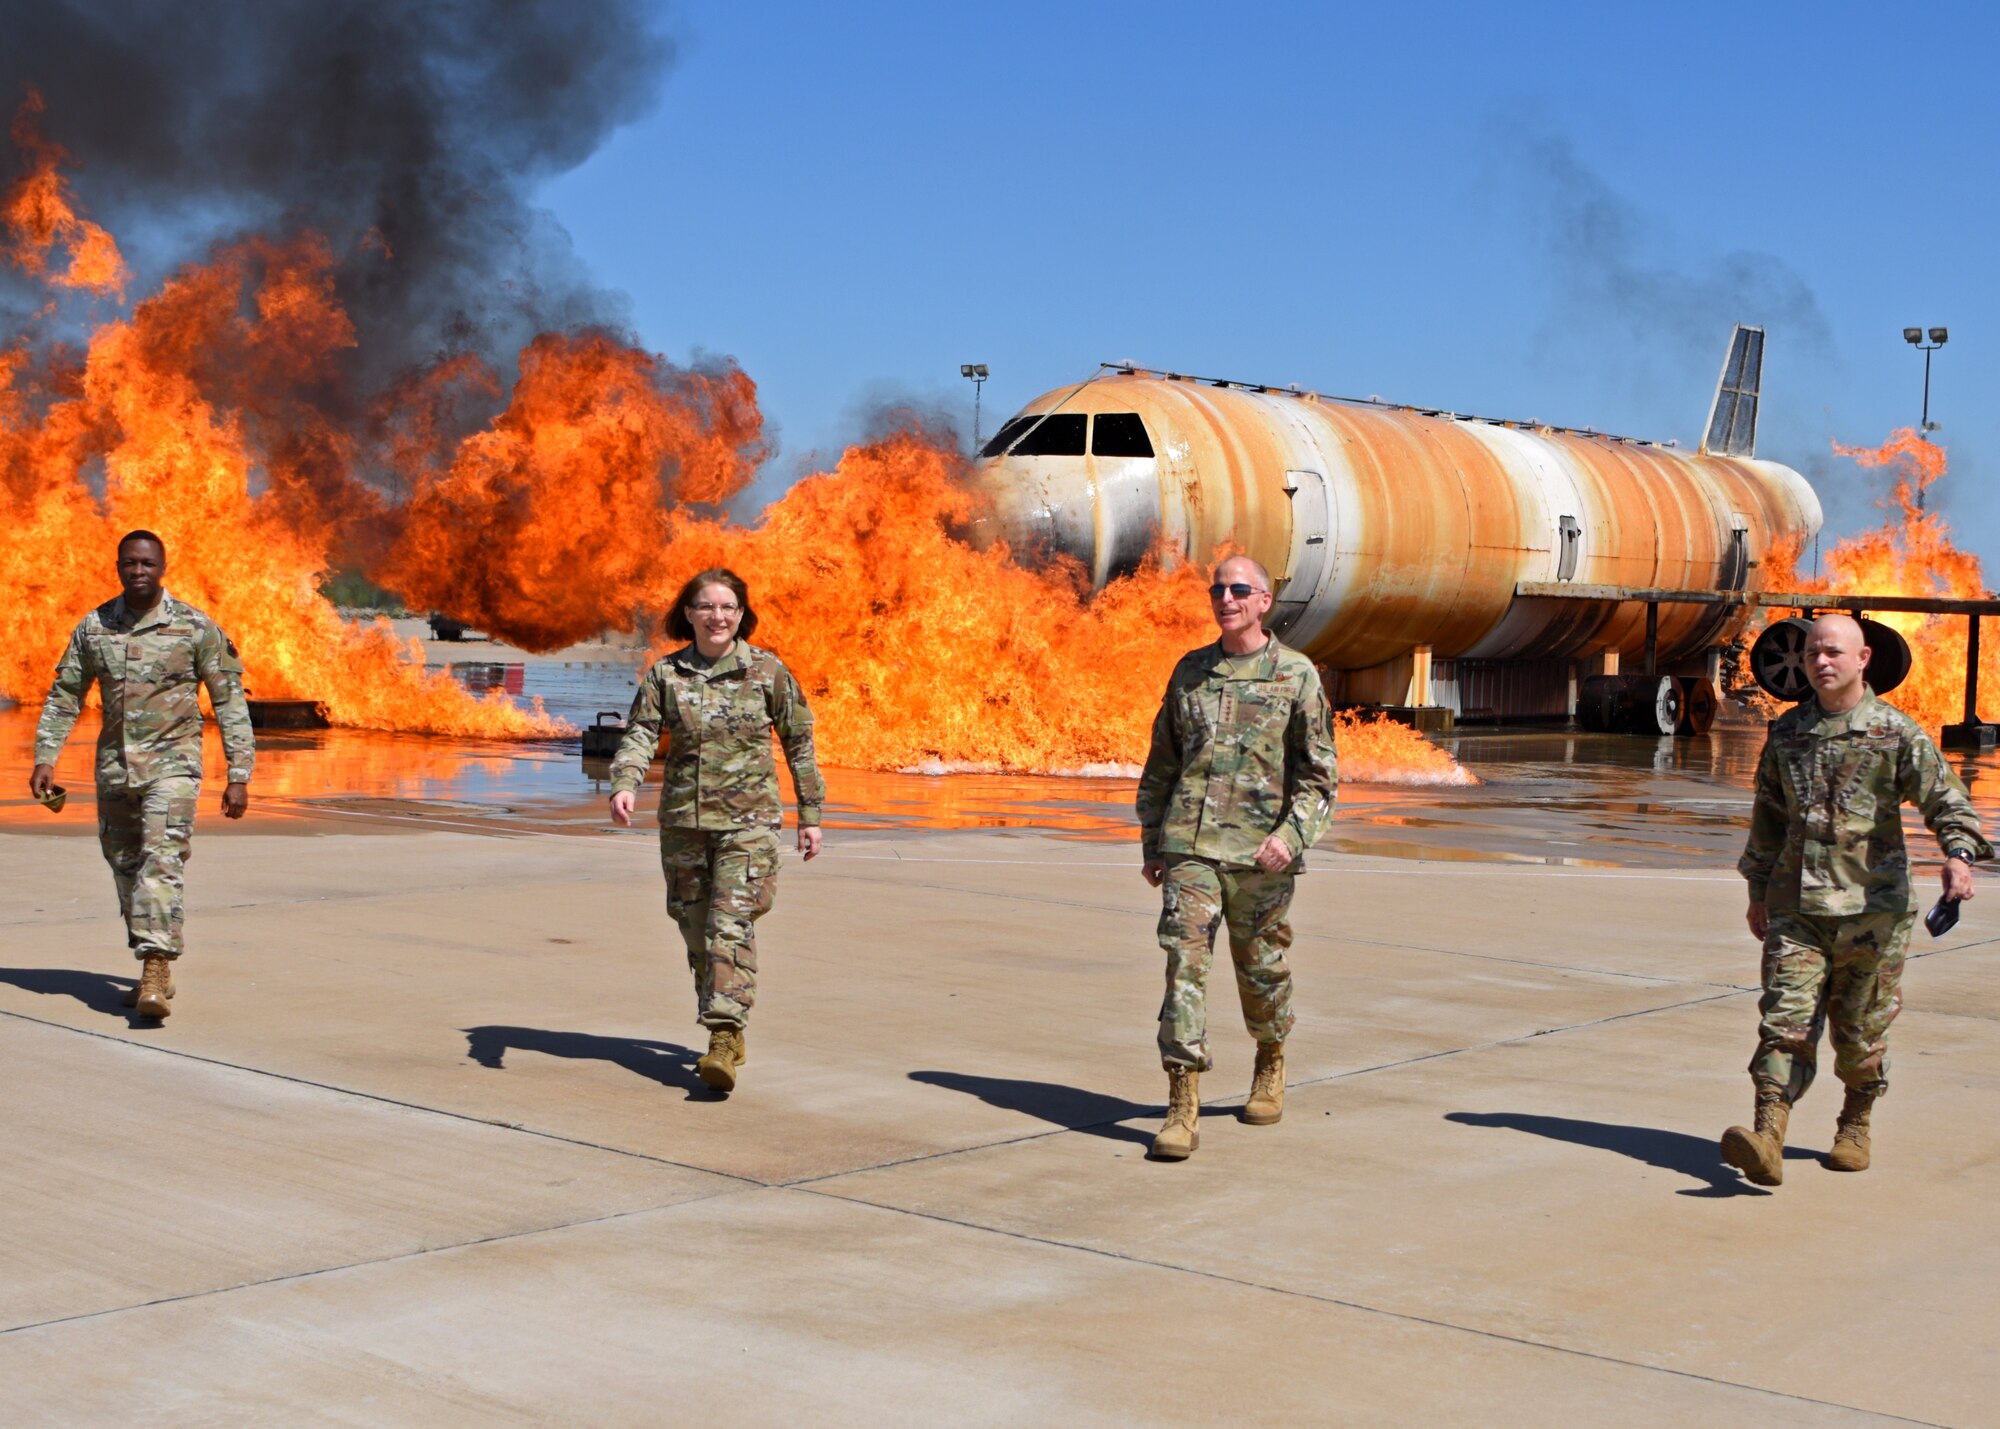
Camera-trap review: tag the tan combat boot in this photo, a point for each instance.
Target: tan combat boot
(156, 986)
(1182, 1133)
(1267, 1089)
(725, 1055)
(1760, 1154)
(131, 998)
(1850, 1140)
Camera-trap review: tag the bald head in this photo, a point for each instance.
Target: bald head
(1836, 626)
(1836, 660)
(1242, 568)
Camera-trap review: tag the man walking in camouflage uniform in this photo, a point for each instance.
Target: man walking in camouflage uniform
(716, 702)
(149, 655)
(1239, 783)
(1830, 894)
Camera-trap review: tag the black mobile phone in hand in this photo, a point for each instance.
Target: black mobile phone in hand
(1943, 918)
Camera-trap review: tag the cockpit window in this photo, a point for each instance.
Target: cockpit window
(1119, 434)
(1058, 435)
(1004, 438)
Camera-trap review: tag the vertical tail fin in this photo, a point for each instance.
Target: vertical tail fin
(1732, 416)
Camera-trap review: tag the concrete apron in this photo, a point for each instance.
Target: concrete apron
(422, 1142)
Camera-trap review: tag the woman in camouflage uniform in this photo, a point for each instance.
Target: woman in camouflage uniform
(716, 701)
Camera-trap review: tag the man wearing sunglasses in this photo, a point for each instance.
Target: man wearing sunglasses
(1239, 783)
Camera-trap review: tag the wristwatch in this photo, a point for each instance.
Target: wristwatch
(1964, 858)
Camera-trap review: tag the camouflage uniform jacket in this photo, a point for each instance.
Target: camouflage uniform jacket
(717, 721)
(1826, 826)
(1242, 748)
(148, 668)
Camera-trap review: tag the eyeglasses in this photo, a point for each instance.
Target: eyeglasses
(1242, 590)
(716, 609)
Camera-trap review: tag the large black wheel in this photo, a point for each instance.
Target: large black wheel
(1656, 704)
(1697, 706)
(1597, 703)
(1629, 704)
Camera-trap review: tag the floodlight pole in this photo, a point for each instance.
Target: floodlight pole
(1927, 351)
(975, 373)
(1915, 337)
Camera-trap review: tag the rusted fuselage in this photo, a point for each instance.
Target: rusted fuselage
(1388, 529)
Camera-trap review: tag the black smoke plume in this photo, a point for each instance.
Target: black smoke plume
(1611, 276)
(410, 133)
(1634, 310)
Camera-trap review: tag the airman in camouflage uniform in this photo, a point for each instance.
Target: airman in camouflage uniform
(1830, 893)
(149, 654)
(1238, 784)
(719, 803)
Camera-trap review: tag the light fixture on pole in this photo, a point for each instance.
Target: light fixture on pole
(1914, 336)
(976, 372)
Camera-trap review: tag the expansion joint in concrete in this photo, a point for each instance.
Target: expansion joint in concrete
(377, 1098)
(1361, 1307)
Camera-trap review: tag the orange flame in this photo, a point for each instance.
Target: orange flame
(919, 651)
(39, 217)
(578, 508)
(548, 528)
(1376, 750)
(1911, 553)
(137, 410)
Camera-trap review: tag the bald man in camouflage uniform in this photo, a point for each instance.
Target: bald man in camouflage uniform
(716, 703)
(1238, 784)
(149, 655)
(1830, 894)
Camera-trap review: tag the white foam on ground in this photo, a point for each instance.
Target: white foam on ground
(1109, 769)
(1456, 776)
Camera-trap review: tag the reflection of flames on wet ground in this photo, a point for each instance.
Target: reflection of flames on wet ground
(1910, 554)
(1544, 797)
(216, 411)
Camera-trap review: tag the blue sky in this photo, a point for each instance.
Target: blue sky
(1549, 211)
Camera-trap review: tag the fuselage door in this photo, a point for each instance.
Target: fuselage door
(1310, 556)
(1736, 555)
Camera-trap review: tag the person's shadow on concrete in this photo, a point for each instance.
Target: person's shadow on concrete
(1071, 1108)
(668, 1063)
(1694, 1156)
(100, 992)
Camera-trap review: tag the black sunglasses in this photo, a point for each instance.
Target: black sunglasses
(1242, 590)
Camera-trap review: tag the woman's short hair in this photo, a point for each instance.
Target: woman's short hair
(678, 624)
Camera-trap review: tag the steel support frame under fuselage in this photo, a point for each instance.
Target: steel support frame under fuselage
(1972, 610)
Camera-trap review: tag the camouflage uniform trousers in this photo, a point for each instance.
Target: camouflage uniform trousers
(1847, 972)
(719, 883)
(1198, 897)
(145, 830)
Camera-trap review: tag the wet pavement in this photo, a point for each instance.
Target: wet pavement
(1545, 797)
